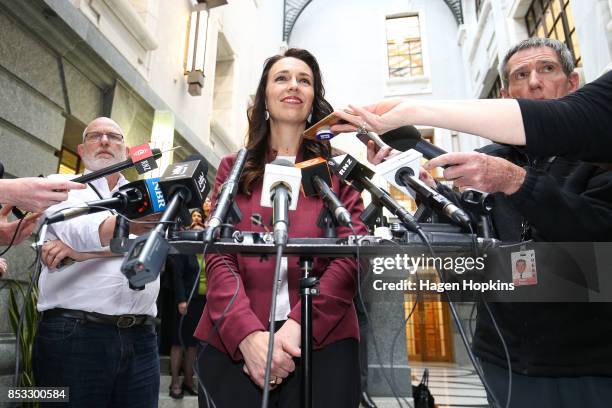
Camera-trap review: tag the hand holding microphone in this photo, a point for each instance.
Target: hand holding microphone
(36, 194)
(480, 171)
(379, 118)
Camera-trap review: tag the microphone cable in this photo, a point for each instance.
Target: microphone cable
(451, 305)
(470, 320)
(403, 326)
(33, 279)
(495, 325)
(14, 237)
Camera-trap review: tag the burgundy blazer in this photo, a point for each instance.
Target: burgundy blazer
(334, 315)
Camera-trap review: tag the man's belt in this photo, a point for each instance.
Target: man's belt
(121, 321)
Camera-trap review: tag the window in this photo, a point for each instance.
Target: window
(70, 162)
(404, 50)
(554, 19)
(402, 198)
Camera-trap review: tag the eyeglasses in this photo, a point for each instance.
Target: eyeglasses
(94, 137)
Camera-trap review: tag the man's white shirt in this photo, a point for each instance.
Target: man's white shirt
(95, 285)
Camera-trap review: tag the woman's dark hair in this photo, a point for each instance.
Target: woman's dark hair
(197, 210)
(258, 140)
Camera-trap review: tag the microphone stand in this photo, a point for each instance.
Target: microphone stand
(308, 289)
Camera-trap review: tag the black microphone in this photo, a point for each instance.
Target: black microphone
(184, 184)
(126, 164)
(358, 176)
(153, 202)
(432, 197)
(226, 196)
(316, 180)
(129, 199)
(281, 183)
(408, 137)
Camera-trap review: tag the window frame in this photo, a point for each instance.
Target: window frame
(420, 69)
(535, 22)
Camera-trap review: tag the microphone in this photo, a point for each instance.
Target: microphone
(358, 176)
(432, 197)
(226, 196)
(137, 158)
(134, 199)
(281, 185)
(408, 137)
(388, 168)
(184, 184)
(316, 180)
(153, 201)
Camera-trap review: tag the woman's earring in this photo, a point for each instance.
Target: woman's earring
(267, 115)
(309, 118)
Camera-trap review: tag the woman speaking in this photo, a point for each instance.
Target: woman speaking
(235, 322)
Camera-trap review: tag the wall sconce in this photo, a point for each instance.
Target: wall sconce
(196, 44)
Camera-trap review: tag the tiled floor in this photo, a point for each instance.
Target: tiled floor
(451, 386)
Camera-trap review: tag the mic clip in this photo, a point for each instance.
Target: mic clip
(424, 214)
(327, 222)
(120, 243)
(372, 215)
(233, 217)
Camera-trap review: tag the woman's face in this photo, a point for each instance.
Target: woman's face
(290, 90)
(196, 217)
(206, 206)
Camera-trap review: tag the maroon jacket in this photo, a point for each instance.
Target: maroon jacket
(334, 315)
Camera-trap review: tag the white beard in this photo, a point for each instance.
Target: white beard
(98, 163)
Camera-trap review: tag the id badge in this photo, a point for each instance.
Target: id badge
(523, 266)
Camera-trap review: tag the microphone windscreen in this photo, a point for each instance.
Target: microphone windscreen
(310, 169)
(405, 138)
(281, 171)
(190, 176)
(282, 162)
(401, 138)
(428, 150)
(198, 156)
